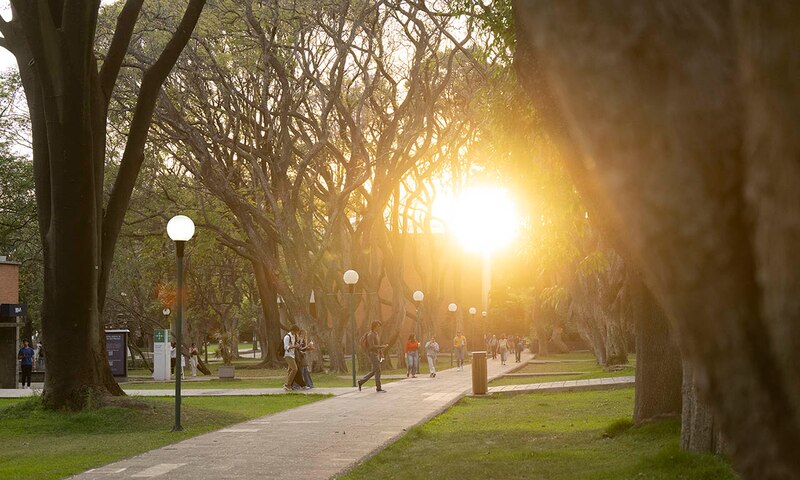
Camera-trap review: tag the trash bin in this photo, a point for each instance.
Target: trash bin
(480, 379)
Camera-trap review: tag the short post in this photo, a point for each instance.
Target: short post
(480, 378)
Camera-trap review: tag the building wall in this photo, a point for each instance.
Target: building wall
(9, 282)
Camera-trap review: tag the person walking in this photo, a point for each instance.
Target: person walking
(503, 347)
(290, 345)
(412, 356)
(193, 357)
(493, 346)
(172, 357)
(305, 371)
(431, 350)
(460, 346)
(40, 356)
(520, 348)
(25, 356)
(374, 348)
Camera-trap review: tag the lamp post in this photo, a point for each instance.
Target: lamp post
(452, 309)
(180, 229)
(166, 313)
(483, 314)
(350, 278)
(472, 312)
(418, 296)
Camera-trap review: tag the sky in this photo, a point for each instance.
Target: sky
(6, 59)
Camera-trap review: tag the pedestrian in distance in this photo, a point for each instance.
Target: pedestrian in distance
(172, 356)
(40, 356)
(431, 350)
(503, 347)
(193, 358)
(25, 356)
(290, 346)
(305, 370)
(412, 356)
(460, 346)
(374, 349)
(520, 348)
(493, 346)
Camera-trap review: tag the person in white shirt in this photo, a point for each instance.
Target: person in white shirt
(289, 346)
(431, 349)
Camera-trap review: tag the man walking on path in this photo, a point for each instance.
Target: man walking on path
(374, 348)
(25, 356)
(289, 346)
(460, 345)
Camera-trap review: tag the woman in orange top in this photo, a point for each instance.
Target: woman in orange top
(412, 356)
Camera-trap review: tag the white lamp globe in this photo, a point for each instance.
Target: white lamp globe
(180, 228)
(483, 314)
(473, 310)
(418, 296)
(452, 307)
(166, 311)
(350, 277)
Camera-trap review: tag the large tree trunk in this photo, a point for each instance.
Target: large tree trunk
(658, 359)
(68, 98)
(699, 432)
(271, 329)
(680, 121)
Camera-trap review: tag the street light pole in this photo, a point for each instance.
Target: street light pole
(180, 229)
(351, 278)
(418, 296)
(452, 308)
(472, 312)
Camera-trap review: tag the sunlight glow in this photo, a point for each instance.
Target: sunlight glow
(484, 219)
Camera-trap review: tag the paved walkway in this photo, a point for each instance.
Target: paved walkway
(315, 441)
(567, 385)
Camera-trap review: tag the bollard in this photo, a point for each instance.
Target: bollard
(480, 379)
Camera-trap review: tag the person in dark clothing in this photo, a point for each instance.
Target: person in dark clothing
(25, 356)
(374, 348)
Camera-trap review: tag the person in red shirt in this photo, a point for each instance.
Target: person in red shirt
(412, 356)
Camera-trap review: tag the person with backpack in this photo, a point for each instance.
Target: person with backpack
(290, 346)
(431, 349)
(373, 345)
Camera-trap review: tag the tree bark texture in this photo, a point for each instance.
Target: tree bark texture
(680, 119)
(658, 359)
(699, 432)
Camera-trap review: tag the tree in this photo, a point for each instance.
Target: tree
(68, 97)
(687, 119)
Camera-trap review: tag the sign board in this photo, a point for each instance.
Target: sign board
(117, 348)
(161, 368)
(13, 310)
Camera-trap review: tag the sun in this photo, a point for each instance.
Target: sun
(484, 219)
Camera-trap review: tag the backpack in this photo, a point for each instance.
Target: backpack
(281, 349)
(364, 341)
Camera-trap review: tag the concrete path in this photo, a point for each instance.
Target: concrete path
(568, 385)
(315, 441)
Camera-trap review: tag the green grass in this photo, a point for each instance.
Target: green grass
(255, 377)
(553, 436)
(43, 444)
(320, 380)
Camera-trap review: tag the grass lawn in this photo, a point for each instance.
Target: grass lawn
(43, 444)
(255, 377)
(553, 436)
(320, 380)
